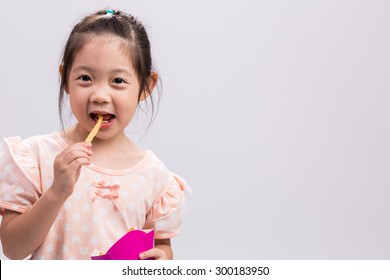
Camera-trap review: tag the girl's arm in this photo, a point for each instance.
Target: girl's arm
(22, 234)
(161, 251)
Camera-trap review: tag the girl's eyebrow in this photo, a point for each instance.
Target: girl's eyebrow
(114, 71)
(122, 70)
(81, 68)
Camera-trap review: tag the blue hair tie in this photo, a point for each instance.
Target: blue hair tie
(110, 12)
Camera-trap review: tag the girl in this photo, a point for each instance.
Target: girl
(61, 197)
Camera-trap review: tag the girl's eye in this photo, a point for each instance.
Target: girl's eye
(118, 81)
(85, 78)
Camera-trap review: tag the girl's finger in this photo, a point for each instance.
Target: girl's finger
(81, 147)
(77, 163)
(73, 155)
(152, 253)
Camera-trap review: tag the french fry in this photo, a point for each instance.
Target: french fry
(94, 130)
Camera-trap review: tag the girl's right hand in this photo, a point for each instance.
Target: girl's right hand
(67, 166)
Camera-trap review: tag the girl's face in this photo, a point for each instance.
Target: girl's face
(103, 81)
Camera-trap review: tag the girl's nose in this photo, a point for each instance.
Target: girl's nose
(100, 95)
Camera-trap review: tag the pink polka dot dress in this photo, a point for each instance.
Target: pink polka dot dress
(105, 203)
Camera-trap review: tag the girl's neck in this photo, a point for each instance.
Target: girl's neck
(118, 144)
(116, 153)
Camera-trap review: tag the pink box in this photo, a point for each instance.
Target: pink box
(129, 246)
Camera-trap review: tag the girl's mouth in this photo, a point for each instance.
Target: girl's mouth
(108, 119)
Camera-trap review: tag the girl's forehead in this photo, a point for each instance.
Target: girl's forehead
(104, 46)
(104, 40)
(104, 53)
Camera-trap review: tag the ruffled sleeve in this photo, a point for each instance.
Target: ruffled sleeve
(166, 214)
(19, 176)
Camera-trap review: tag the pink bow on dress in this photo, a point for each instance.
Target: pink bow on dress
(107, 191)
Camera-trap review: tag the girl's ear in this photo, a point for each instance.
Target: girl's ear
(152, 82)
(61, 70)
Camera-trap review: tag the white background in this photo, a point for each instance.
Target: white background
(275, 112)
